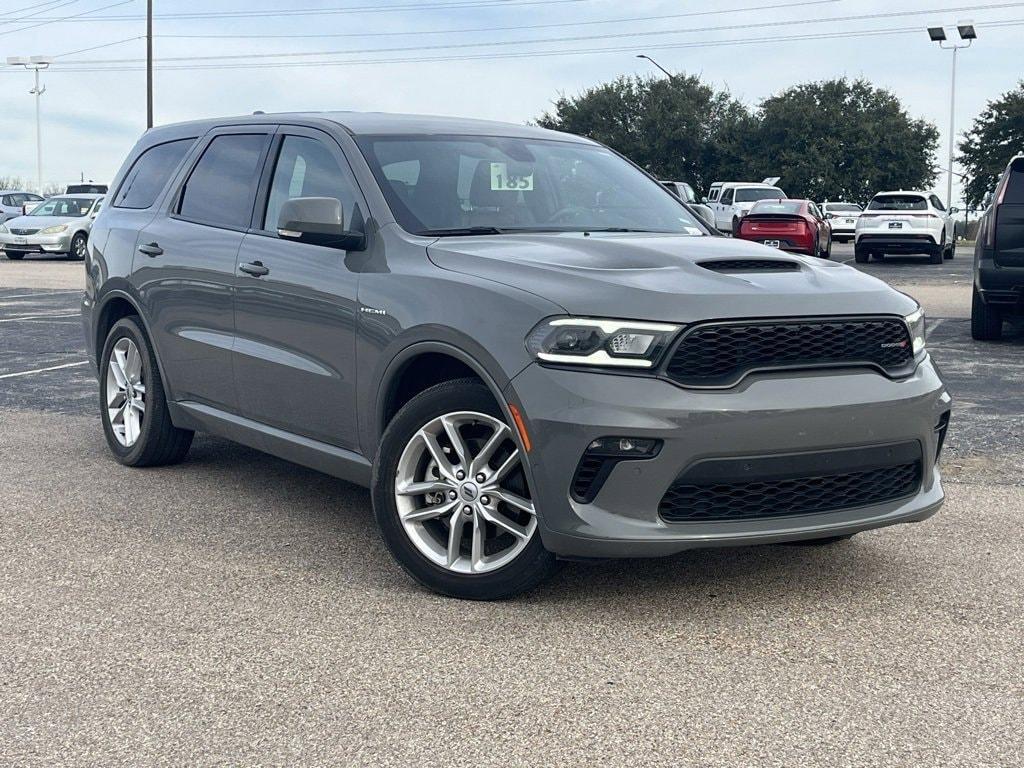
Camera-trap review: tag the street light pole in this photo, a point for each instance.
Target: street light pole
(35, 63)
(149, 64)
(668, 74)
(938, 35)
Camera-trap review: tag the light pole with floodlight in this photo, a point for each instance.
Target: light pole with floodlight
(35, 63)
(938, 35)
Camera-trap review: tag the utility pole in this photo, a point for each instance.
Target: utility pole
(149, 64)
(35, 63)
(668, 74)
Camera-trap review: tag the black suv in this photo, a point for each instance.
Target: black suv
(999, 257)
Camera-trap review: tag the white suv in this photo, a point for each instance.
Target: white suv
(905, 222)
(730, 201)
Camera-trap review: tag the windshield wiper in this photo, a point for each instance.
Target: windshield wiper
(460, 231)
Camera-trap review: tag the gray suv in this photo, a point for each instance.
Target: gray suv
(523, 344)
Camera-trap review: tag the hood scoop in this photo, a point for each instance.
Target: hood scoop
(750, 265)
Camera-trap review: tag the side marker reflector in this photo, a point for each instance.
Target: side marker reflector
(521, 426)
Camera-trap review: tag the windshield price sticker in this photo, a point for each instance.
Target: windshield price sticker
(501, 180)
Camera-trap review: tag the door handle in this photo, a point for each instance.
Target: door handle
(152, 250)
(256, 269)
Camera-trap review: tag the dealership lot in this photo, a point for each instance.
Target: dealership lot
(241, 609)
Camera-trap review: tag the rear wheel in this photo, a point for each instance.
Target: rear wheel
(937, 256)
(452, 499)
(986, 320)
(860, 256)
(735, 226)
(950, 251)
(133, 405)
(14, 256)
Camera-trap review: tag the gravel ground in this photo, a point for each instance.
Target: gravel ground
(238, 609)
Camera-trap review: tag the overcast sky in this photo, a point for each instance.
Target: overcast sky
(91, 119)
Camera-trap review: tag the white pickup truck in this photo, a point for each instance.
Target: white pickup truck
(730, 201)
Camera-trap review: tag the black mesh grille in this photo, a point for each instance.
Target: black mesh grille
(721, 354)
(796, 496)
(23, 231)
(750, 265)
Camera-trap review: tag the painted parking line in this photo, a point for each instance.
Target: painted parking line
(39, 295)
(43, 370)
(38, 316)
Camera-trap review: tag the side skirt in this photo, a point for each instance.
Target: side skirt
(323, 457)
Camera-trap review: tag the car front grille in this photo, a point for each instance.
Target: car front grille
(750, 489)
(23, 231)
(721, 354)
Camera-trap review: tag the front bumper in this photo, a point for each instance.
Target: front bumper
(59, 243)
(770, 415)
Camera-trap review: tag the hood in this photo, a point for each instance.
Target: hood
(660, 278)
(39, 222)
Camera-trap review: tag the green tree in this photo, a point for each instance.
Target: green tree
(996, 135)
(678, 129)
(840, 140)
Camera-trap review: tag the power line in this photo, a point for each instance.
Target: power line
(97, 47)
(57, 3)
(545, 54)
(78, 16)
(279, 12)
(519, 27)
(564, 39)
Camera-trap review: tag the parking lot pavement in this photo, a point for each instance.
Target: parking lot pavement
(240, 609)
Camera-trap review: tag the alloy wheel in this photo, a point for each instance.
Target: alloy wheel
(462, 495)
(126, 392)
(81, 246)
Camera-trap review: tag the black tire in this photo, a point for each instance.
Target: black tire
(820, 542)
(78, 245)
(159, 442)
(939, 254)
(986, 320)
(532, 566)
(828, 251)
(735, 226)
(950, 251)
(14, 256)
(861, 256)
(877, 256)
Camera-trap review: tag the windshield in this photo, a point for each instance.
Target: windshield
(752, 194)
(898, 203)
(842, 208)
(456, 185)
(69, 207)
(787, 206)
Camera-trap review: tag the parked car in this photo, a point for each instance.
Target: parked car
(13, 201)
(730, 201)
(512, 335)
(843, 218)
(86, 189)
(797, 226)
(59, 225)
(685, 192)
(999, 257)
(905, 223)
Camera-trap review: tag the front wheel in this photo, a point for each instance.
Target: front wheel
(452, 499)
(14, 256)
(79, 247)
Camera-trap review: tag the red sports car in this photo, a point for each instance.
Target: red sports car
(792, 225)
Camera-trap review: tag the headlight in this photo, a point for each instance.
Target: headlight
(54, 230)
(584, 341)
(915, 324)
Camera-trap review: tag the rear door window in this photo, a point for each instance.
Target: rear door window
(148, 176)
(221, 190)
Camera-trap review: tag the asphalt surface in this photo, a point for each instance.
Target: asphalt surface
(238, 609)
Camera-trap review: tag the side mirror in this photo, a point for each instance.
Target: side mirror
(704, 199)
(986, 201)
(705, 214)
(318, 221)
(954, 210)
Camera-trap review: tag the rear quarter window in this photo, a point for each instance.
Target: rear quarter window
(149, 174)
